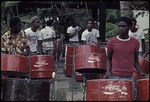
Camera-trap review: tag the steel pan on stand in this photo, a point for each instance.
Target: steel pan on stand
(58, 48)
(48, 71)
(69, 63)
(13, 66)
(75, 59)
(42, 67)
(69, 60)
(90, 60)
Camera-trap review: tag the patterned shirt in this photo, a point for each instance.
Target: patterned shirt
(14, 44)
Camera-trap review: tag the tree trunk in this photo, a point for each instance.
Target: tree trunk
(8, 17)
(124, 8)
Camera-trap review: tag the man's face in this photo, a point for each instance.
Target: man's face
(42, 23)
(123, 28)
(74, 24)
(90, 25)
(36, 23)
(133, 25)
(16, 29)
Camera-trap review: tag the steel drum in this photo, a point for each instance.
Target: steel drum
(142, 90)
(69, 63)
(69, 60)
(25, 90)
(108, 90)
(90, 59)
(58, 48)
(144, 64)
(41, 66)
(14, 64)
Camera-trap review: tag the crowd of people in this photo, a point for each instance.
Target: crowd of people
(122, 50)
(40, 33)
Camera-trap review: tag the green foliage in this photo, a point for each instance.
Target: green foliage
(111, 30)
(5, 13)
(112, 15)
(111, 23)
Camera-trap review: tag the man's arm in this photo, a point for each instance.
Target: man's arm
(26, 52)
(99, 42)
(137, 65)
(108, 64)
(146, 53)
(83, 38)
(83, 42)
(4, 52)
(70, 35)
(143, 46)
(40, 47)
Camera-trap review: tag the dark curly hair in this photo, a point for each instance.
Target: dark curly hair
(127, 20)
(90, 19)
(14, 21)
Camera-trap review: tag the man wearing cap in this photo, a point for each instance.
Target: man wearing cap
(34, 36)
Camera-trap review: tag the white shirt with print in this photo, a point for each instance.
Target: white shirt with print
(33, 37)
(48, 32)
(90, 37)
(72, 30)
(139, 34)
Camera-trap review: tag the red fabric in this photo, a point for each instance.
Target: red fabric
(123, 55)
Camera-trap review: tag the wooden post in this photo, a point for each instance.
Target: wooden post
(102, 20)
(94, 13)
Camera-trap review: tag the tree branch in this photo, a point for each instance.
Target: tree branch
(86, 8)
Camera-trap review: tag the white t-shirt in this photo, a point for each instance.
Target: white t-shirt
(90, 37)
(33, 37)
(139, 34)
(72, 30)
(48, 32)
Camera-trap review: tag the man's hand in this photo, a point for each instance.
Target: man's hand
(98, 43)
(107, 75)
(143, 75)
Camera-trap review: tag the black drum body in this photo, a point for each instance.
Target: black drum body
(25, 90)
